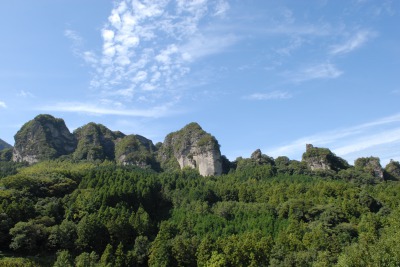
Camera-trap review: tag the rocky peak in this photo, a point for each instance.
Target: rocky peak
(323, 159)
(370, 165)
(95, 142)
(393, 170)
(44, 137)
(136, 150)
(191, 147)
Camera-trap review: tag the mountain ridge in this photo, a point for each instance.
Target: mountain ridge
(46, 137)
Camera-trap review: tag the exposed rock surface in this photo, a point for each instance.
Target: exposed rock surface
(370, 165)
(323, 159)
(191, 147)
(44, 137)
(136, 150)
(4, 145)
(393, 170)
(95, 142)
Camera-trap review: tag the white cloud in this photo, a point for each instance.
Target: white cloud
(77, 107)
(318, 71)
(149, 46)
(354, 42)
(3, 104)
(25, 94)
(204, 45)
(221, 8)
(269, 96)
(77, 41)
(351, 142)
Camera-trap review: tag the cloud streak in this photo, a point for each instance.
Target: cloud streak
(317, 71)
(348, 142)
(269, 96)
(89, 108)
(354, 42)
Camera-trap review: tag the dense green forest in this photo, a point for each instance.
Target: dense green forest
(65, 213)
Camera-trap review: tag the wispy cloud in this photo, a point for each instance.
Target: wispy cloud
(269, 96)
(101, 109)
(25, 94)
(318, 71)
(3, 104)
(148, 46)
(349, 142)
(354, 42)
(77, 41)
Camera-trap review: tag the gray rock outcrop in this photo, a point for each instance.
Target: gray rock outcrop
(370, 165)
(323, 159)
(191, 147)
(136, 150)
(393, 170)
(43, 138)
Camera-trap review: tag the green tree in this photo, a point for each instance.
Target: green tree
(107, 258)
(64, 259)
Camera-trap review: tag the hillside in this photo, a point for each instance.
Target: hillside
(4, 145)
(126, 207)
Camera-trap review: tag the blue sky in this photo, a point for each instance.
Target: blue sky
(273, 75)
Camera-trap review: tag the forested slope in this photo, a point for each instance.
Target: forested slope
(67, 213)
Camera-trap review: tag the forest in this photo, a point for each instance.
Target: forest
(83, 213)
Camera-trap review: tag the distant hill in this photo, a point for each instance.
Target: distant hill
(47, 138)
(4, 145)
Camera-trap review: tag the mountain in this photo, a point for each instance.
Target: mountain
(136, 150)
(323, 159)
(46, 138)
(42, 138)
(4, 145)
(95, 142)
(191, 147)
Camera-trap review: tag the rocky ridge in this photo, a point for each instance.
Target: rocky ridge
(47, 138)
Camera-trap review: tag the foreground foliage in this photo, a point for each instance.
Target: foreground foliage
(101, 214)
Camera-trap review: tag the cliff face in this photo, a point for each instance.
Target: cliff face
(323, 159)
(95, 142)
(42, 138)
(136, 150)
(191, 147)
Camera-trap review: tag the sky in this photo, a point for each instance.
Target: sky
(274, 75)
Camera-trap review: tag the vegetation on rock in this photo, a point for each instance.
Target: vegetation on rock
(112, 210)
(4, 145)
(95, 142)
(136, 150)
(42, 138)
